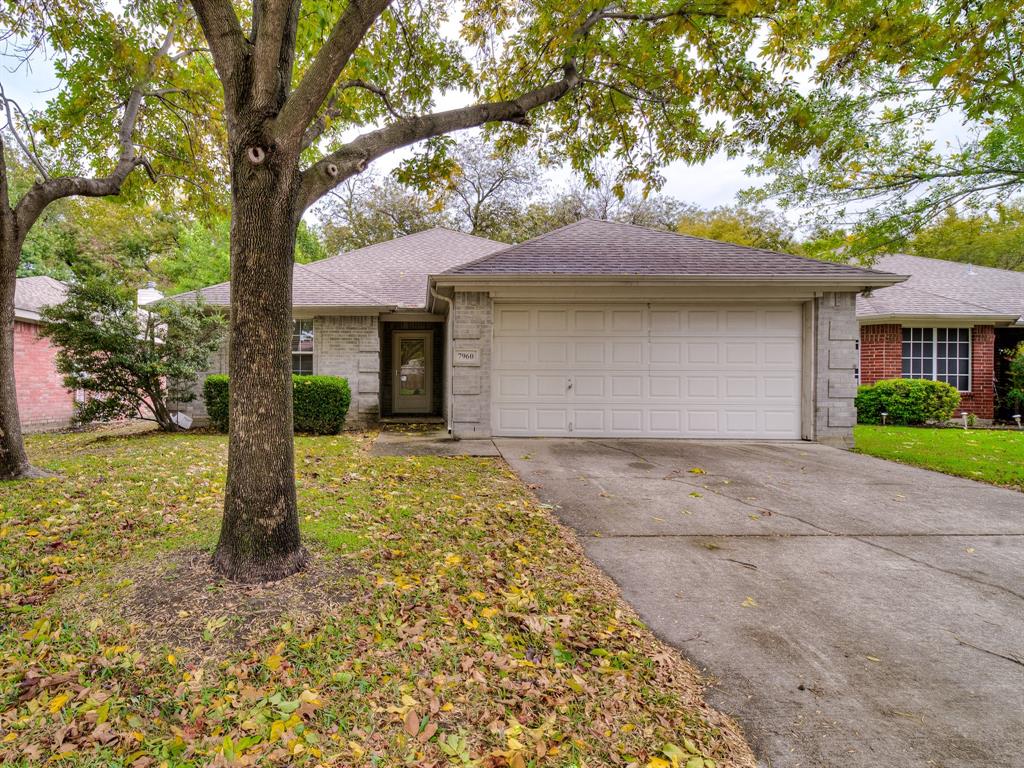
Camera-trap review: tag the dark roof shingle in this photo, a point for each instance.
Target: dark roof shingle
(389, 274)
(593, 247)
(944, 288)
(32, 294)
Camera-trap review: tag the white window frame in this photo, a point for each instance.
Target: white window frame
(934, 354)
(296, 330)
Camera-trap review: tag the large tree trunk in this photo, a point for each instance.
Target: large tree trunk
(14, 464)
(259, 539)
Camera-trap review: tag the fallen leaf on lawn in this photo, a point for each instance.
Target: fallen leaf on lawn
(412, 722)
(58, 702)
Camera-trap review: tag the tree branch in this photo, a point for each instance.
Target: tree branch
(320, 125)
(274, 48)
(29, 148)
(352, 158)
(305, 102)
(46, 191)
(227, 43)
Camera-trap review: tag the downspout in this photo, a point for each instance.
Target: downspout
(449, 339)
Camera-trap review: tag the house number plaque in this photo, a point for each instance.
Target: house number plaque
(467, 357)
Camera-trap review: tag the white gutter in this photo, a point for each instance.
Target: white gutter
(938, 317)
(449, 341)
(826, 282)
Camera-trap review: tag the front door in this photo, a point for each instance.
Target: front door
(412, 371)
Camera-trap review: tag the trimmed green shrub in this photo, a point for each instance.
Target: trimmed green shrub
(319, 403)
(907, 401)
(215, 395)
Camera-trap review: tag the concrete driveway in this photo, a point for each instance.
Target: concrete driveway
(852, 611)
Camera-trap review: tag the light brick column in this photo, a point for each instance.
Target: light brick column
(836, 335)
(472, 328)
(349, 346)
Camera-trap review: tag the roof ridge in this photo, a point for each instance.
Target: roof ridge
(340, 283)
(405, 236)
(953, 262)
(648, 231)
(950, 298)
(510, 246)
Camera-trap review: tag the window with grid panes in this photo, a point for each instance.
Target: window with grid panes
(302, 347)
(939, 354)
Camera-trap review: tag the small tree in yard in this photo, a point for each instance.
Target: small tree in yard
(130, 362)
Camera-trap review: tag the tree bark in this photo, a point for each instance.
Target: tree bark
(14, 463)
(259, 538)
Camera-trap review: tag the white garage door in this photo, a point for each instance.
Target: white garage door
(647, 370)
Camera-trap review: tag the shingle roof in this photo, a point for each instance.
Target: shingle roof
(31, 294)
(592, 247)
(939, 287)
(389, 274)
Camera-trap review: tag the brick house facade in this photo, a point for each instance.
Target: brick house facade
(43, 401)
(881, 357)
(942, 300)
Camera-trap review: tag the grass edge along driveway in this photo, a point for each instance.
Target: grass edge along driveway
(473, 631)
(991, 456)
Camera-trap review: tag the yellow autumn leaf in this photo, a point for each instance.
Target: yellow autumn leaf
(489, 613)
(273, 663)
(58, 702)
(172, 659)
(658, 762)
(477, 595)
(452, 560)
(750, 602)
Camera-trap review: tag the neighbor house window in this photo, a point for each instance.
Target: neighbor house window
(302, 347)
(940, 354)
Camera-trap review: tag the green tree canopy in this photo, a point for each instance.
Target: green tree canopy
(130, 363)
(989, 239)
(869, 145)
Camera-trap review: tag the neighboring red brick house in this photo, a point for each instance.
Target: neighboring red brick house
(43, 402)
(948, 322)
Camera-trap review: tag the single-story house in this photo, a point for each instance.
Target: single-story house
(595, 329)
(43, 401)
(949, 322)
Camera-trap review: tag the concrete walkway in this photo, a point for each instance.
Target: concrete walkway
(432, 441)
(853, 612)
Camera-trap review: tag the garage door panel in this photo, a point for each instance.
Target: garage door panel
(663, 370)
(513, 420)
(552, 420)
(701, 321)
(510, 385)
(627, 320)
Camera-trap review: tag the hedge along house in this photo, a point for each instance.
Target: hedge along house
(948, 322)
(596, 329)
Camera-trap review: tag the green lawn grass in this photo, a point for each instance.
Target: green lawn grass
(992, 456)
(473, 632)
